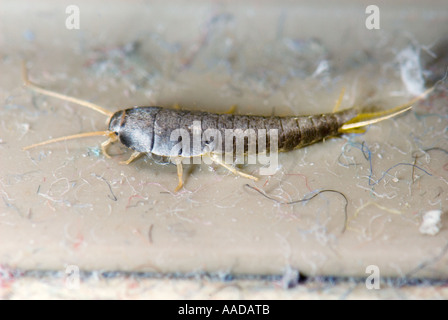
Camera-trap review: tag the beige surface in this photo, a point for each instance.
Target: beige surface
(129, 287)
(67, 204)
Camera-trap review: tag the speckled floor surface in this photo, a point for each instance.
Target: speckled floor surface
(67, 205)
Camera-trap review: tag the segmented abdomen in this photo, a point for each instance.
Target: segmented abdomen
(157, 128)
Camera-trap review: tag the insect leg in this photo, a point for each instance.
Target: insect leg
(338, 103)
(215, 158)
(133, 156)
(112, 138)
(231, 110)
(180, 173)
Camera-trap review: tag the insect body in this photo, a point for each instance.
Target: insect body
(147, 130)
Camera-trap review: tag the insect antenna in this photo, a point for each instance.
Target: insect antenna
(64, 97)
(75, 136)
(50, 93)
